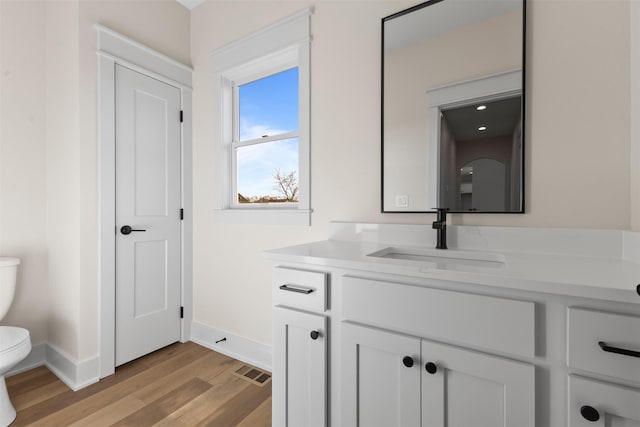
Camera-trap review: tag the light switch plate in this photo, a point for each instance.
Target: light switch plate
(402, 201)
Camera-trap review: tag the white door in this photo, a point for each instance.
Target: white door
(148, 201)
(299, 369)
(380, 378)
(599, 404)
(489, 185)
(462, 388)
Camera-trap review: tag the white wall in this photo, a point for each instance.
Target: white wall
(48, 154)
(231, 279)
(577, 172)
(578, 133)
(63, 179)
(22, 160)
(634, 157)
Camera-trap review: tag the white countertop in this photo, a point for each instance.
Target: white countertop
(580, 271)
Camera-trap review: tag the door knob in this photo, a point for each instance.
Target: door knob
(590, 413)
(127, 230)
(407, 361)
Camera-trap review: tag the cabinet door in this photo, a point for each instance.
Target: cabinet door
(462, 388)
(299, 369)
(598, 404)
(380, 378)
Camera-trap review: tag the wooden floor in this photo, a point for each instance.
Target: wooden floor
(180, 385)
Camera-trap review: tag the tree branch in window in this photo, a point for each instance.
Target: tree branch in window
(286, 185)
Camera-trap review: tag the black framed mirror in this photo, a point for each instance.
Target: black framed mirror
(453, 107)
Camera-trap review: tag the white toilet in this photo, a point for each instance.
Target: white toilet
(15, 343)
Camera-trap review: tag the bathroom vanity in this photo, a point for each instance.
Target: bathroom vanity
(509, 327)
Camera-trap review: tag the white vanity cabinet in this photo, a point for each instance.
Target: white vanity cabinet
(380, 383)
(595, 403)
(391, 379)
(465, 388)
(300, 343)
(394, 379)
(603, 344)
(534, 340)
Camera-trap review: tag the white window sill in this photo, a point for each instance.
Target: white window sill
(266, 216)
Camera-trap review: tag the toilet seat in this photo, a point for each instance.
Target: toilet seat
(15, 345)
(12, 339)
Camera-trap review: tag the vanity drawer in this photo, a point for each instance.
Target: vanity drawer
(492, 323)
(300, 288)
(590, 331)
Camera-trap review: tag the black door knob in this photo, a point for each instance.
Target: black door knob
(314, 335)
(431, 367)
(590, 413)
(407, 361)
(127, 230)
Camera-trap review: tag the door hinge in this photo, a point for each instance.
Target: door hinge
(181, 116)
(181, 214)
(182, 312)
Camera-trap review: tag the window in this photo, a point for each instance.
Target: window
(265, 142)
(263, 125)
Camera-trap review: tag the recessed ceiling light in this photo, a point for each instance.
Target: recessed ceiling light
(481, 107)
(481, 128)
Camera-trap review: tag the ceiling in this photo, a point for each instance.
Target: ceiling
(190, 4)
(500, 118)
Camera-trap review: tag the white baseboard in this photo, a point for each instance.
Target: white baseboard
(79, 374)
(75, 374)
(240, 348)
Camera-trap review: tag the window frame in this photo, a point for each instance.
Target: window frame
(276, 48)
(283, 62)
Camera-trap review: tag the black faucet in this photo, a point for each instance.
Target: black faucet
(440, 224)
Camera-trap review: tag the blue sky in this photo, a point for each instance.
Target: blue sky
(268, 106)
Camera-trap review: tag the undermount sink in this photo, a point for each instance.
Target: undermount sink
(443, 257)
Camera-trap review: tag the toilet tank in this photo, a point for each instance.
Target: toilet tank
(8, 271)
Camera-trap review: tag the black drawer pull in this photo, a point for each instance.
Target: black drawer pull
(617, 350)
(294, 289)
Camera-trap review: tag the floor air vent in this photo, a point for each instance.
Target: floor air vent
(253, 375)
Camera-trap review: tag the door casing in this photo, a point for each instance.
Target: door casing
(114, 48)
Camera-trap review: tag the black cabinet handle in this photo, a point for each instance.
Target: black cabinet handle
(407, 361)
(314, 335)
(590, 413)
(295, 289)
(638, 289)
(431, 367)
(623, 351)
(126, 229)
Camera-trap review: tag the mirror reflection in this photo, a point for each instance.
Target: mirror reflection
(452, 107)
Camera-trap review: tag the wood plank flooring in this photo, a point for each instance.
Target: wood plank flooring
(180, 385)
